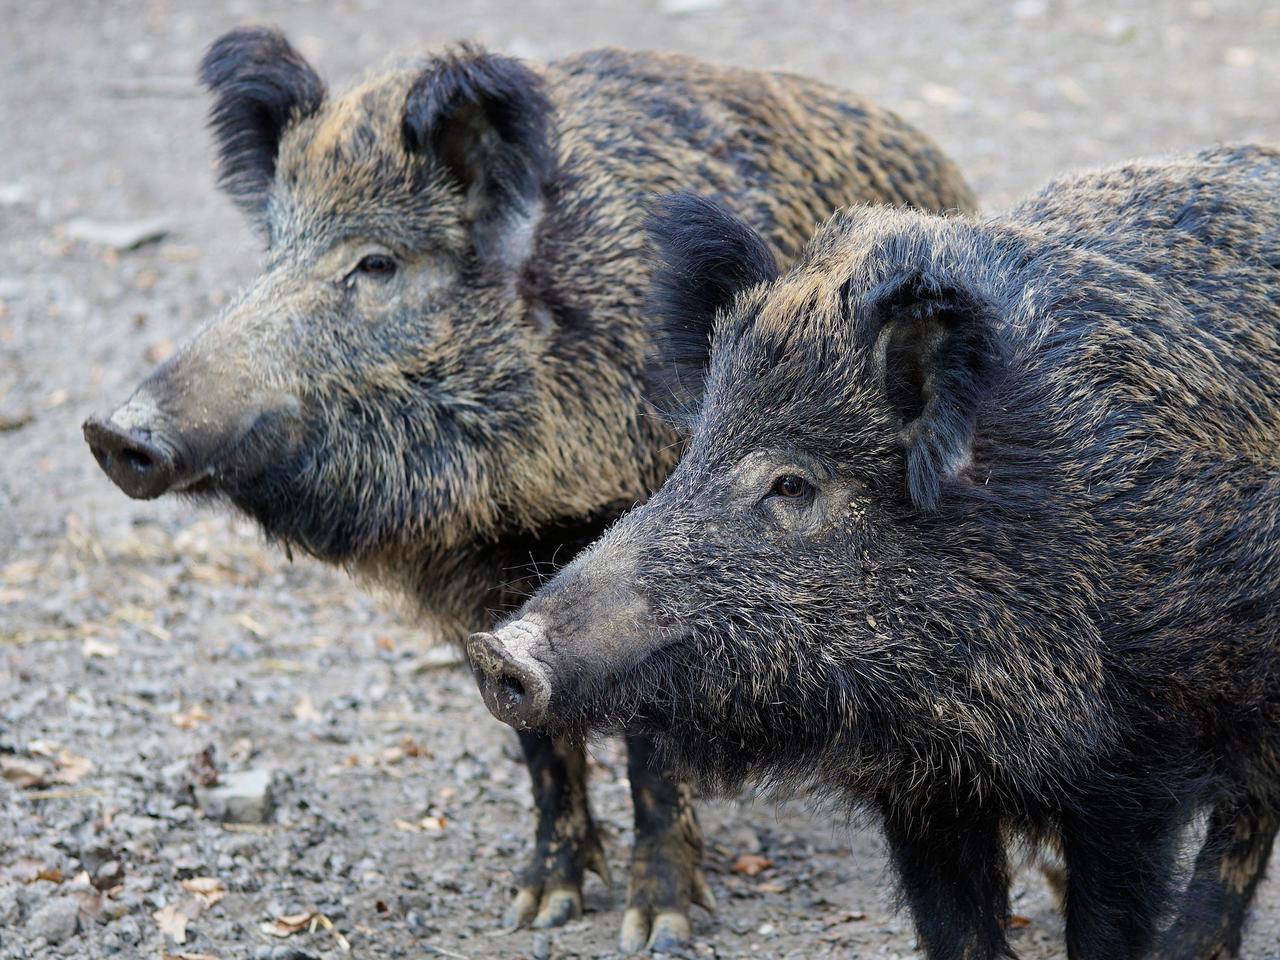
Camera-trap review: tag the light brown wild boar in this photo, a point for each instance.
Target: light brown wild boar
(436, 380)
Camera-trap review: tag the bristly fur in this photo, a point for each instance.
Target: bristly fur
(458, 422)
(260, 85)
(704, 257)
(1054, 614)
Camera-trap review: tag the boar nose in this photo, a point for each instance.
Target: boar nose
(140, 463)
(515, 687)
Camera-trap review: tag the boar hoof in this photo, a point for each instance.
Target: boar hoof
(540, 907)
(667, 931)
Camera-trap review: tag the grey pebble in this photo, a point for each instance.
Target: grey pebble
(55, 921)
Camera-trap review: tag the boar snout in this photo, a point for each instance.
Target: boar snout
(140, 459)
(514, 684)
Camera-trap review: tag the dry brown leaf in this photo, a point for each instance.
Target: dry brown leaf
(411, 748)
(23, 773)
(843, 916)
(208, 889)
(172, 923)
(429, 824)
(292, 923)
(1016, 922)
(71, 768)
(191, 718)
(751, 864)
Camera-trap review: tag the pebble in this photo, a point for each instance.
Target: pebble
(542, 946)
(238, 798)
(121, 235)
(55, 921)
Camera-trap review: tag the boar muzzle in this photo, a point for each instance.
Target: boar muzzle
(515, 686)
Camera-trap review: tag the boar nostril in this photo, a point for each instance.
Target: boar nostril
(513, 687)
(136, 461)
(139, 460)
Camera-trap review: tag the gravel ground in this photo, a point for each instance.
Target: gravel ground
(146, 649)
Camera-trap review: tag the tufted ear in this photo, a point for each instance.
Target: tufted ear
(704, 256)
(939, 353)
(487, 120)
(260, 85)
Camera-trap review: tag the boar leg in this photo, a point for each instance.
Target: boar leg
(954, 877)
(1120, 874)
(567, 843)
(1227, 872)
(666, 864)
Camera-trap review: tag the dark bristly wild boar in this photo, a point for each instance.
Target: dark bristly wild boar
(978, 528)
(436, 381)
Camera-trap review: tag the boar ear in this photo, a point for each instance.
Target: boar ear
(939, 352)
(487, 119)
(704, 256)
(260, 85)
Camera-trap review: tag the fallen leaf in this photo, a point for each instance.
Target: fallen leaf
(172, 923)
(843, 916)
(750, 864)
(191, 718)
(411, 748)
(22, 773)
(429, 824)
(71, 769)
(771, 888)
(119, 236)
(208, 889)
(292, 923)
(1016, 922)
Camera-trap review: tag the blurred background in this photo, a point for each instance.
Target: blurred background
(146, 649)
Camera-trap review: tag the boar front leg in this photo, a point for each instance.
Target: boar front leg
(567, 843)
(666, 864)
(1120, 872)
(954, 877)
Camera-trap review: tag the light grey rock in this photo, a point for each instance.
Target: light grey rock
(243, 797)
(56, 921)
(121, 235)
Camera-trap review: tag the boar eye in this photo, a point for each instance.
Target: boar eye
(377, 265)
(791, 487)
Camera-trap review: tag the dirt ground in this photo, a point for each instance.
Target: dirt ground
(134, 637)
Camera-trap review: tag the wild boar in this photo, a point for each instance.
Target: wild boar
(436, 381)
(979, 528)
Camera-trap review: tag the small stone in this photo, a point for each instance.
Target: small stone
(542, 946)
(122, 236)
(108, 875)
(238, 798)
(56, 921)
